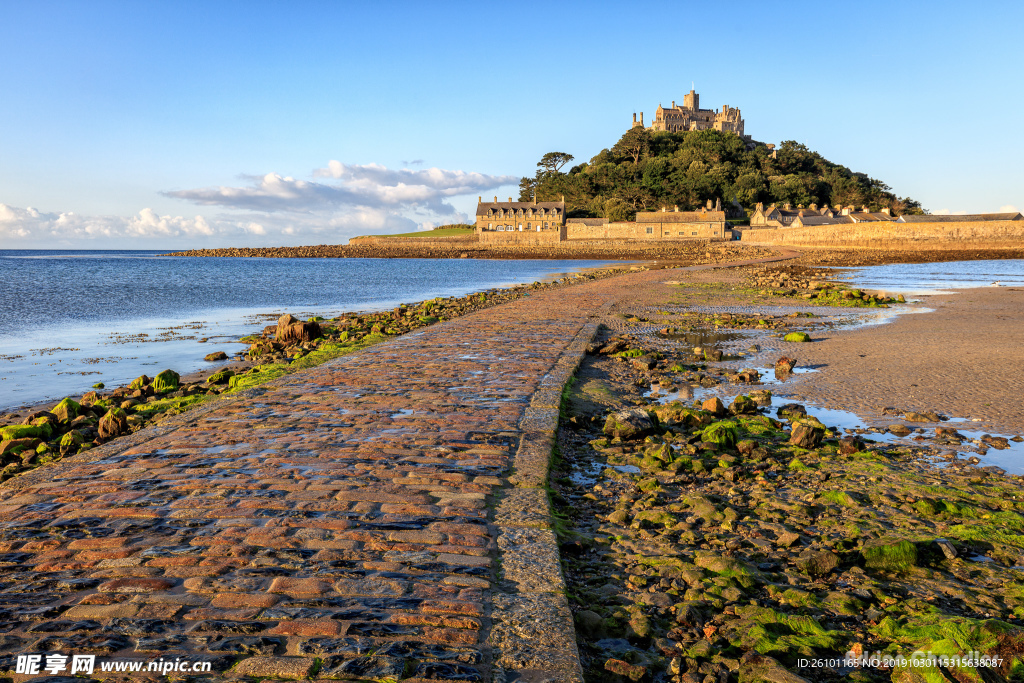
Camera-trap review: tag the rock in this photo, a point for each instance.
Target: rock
(114, 423)
(785, 365)
(15, 446)
(797, 337)
(714, 406)
(927, 416)
(758, 668)
(644, 362)
(217, 355)
(762, 397)
(817, 563)
(899, 430)
(589, 624)
(791, 411)
(613, 346)
(713, 355)
(807, 433)
(723, 434)
(222, 377)
(620, 517)
(71, 442)
(633, 672)
(633, 423)
(743, 405)
(89, 398)
(896, 557)
(947, 548)
(66, 409)
(165, 382)
(139, 382)
(787, 539)
(11, 432)
(850, 444)
(291, 330)
(99, 385)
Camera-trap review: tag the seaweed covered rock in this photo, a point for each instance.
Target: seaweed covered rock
(114, 423)
(807, 433)
(797, 337)
(633, 423)
(67, 409)
(166, 382)
(758, 668)
(292, 330)
(897, 557)
(71, 442)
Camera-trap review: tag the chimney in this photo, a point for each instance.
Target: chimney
(863, 209)
(886, 210)
(641, 119)
(479, 200)
(846, 210)
(634, 117)
(509, 200)
(673, 104)
(676, 208)
(495, 199)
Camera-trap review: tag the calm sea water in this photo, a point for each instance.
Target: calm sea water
(69, 319)
(936, 278)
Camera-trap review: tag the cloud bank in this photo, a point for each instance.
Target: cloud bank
(343, 200)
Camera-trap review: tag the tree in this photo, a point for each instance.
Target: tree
(552, 162)
(634, 144)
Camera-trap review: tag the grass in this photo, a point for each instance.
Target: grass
(438, 232)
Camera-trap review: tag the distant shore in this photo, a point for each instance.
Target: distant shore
(690, 252)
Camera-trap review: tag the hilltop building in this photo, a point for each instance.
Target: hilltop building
(691, 117)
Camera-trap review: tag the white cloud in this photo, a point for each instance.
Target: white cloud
(18, 223)
(358, 186)
(1008, 208)
(947, 212)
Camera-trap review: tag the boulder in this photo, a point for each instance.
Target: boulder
(807, 433)
(166, 382)
(644, 362)
(12, 432)
(791, 411)
(714, 406)
(899, 430)
(139, 382)
(743, 405)
(89, 398)
(222, 377)
(762, 397)
(723, 434)
(897, 557)
(71, 442)
(785, 365)
(217, 355)
(633, 423)
(797, 337)
(66, 409)
(114, 423)
(817, 563)
(291, 330)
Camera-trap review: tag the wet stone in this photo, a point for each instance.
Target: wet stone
(367, 667)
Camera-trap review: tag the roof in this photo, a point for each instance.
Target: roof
(962, 218)
(824, 220)
(482, 207)
(872, 217)
(679, 216)
(588, 221)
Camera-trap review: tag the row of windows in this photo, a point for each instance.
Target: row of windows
(501, 213)
(511, 228)
(650, 231)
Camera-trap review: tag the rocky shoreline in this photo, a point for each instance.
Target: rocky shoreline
(744, 540)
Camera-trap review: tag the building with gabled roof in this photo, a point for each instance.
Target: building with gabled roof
(961, 218)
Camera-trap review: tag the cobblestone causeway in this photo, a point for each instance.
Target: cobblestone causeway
(380, 517)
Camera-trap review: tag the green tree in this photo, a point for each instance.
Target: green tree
(634, 144)
(552, 162)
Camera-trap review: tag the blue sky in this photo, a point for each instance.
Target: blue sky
(158, 125)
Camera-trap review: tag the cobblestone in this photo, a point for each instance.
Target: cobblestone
(356, 512)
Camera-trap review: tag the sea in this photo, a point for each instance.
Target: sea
(71, 319)
(939, 278)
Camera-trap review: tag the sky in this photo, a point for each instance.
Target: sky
(158, 125)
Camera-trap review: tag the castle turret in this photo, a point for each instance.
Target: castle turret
(691, 100)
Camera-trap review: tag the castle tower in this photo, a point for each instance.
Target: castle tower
(691, 100)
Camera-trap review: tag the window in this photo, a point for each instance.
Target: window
(650, 231)
(529, 227)
(681, 233)
(520, 227)
(716, 232)
(545, 224)
(694, 233)
(490, 225)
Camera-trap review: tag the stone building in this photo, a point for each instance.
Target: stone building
(962, 218)
(706, 224)
(691, 117)
(786, 216)
(513, 216)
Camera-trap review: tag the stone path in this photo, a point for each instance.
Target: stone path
(380, 517)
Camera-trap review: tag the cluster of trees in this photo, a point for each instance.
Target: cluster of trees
(646, 170)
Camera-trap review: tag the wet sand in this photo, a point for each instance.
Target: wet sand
(964, 359)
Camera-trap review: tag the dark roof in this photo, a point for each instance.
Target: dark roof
(482, 207)
(962, 218)
(870, 217)
(825, 220)
(588, 221)
(679, 216)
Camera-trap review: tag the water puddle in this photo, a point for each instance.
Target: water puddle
(404, 412)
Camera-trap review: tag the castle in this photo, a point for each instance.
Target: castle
(691, 117)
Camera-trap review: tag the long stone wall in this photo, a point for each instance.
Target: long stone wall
(628, 230)
(446, 240)
(911, 236)
(512, 237)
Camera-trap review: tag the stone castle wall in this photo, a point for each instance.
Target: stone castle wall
(884, 235)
